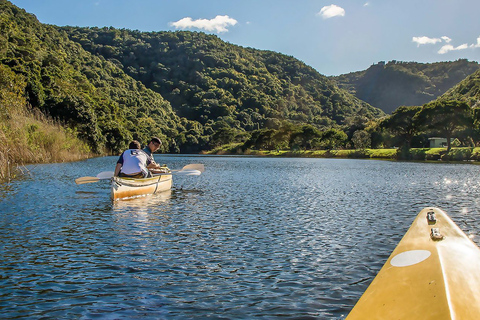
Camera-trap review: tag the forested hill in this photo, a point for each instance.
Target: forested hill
(87, 93)
(209, 80)
(390, 85)
(193, 90)
(468, 89)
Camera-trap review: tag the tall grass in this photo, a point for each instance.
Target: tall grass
(29, 137)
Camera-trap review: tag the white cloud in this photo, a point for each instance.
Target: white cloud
(366, 4)
(426, 40)
(331, 11)
(448, 47)
(446, 39)
(477, 45)
(218, 24)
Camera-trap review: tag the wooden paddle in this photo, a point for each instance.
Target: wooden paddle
(194, 169)
(194, 166)
(101, 176)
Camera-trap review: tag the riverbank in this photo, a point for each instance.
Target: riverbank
(55, 144)
(417, 154)
(29, 138)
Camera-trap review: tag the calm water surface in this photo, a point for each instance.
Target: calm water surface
(251, 237)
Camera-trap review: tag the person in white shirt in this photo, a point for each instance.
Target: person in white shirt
(134, 162)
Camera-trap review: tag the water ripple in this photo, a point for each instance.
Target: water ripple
(251, 237)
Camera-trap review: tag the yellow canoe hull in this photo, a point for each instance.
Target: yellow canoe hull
(433, 273)
(125, 188)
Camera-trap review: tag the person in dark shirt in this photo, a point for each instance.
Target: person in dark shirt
(151, 147)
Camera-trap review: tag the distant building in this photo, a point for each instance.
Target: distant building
(436, 142)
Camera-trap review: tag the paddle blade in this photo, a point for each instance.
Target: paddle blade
(83, 180)
(194, 166)
(105, 175)
(189, 172)
(101, 176)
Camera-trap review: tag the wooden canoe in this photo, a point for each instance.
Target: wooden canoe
(433, 273)
(125, 188)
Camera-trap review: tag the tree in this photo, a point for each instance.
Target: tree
(361, 139)
(304, 137)
(263, 139)
(402, 124)
(445, 117)
(333, 138)
(223, 135)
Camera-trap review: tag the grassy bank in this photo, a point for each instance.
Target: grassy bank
(418, 154)
(27, 138)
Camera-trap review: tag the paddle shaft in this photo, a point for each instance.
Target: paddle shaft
(195, 169)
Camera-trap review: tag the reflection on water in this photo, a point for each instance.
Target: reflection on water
(142, 204)
(251, 237)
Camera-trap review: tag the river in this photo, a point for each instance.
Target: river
(250, 237)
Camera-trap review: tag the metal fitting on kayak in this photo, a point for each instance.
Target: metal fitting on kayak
(431, 217)
(436, 235)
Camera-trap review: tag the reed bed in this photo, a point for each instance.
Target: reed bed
(28, 137)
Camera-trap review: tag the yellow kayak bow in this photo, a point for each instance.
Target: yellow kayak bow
(433, 273)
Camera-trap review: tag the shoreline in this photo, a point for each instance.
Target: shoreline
(467, 154)
(456, 155)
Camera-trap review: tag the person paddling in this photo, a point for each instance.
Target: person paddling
(150, 148)
(135, 162)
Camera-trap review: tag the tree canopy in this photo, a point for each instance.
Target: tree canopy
(402, 123)
(105, 106)
(208, 80)
(445, 117)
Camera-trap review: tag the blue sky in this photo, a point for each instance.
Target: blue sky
(333, 36)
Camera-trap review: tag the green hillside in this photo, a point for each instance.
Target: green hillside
(209, 80)
(105, 86)
(468, 89)
(390, 85)
(193, 90)
(87, 93)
